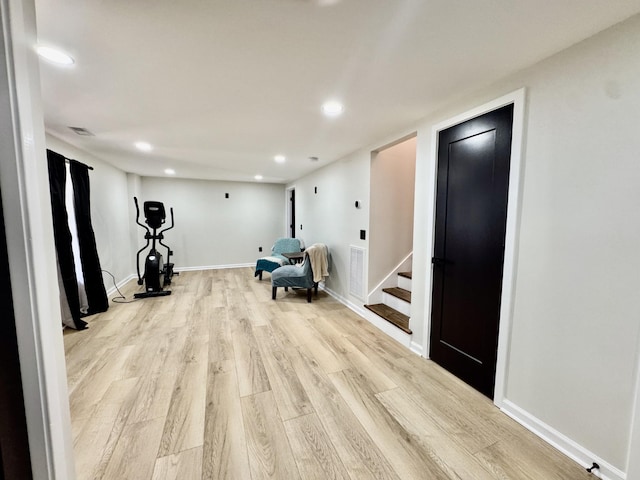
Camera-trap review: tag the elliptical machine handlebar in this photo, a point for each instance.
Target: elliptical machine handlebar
(172, 224)
(135, 200)
(147, 237)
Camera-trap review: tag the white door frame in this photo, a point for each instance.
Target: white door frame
(633, 455)
(29, 232)
(512, 228)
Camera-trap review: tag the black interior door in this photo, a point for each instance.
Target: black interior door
(471, 212)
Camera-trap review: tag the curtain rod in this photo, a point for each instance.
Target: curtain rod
(68, 160)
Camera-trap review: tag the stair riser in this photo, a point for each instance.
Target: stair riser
(404, 282)
(396, 303)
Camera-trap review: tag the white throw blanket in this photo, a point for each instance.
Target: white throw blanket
(319, 261)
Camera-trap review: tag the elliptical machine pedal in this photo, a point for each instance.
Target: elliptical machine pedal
(156, 273)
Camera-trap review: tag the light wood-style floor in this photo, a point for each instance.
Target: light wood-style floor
(219, 381)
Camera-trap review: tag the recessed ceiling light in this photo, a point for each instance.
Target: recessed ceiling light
(82, 131)
(258, 177)
(332, 108)
(144, 146)
(169, 171)
(280, 158)
(54, 55)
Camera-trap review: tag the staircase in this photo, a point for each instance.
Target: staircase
(396, 306)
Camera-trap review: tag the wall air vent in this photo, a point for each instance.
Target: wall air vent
(356, 272)
(82, 131)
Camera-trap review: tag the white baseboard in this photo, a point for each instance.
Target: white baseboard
(120, 284)
(394, 332)
(561, 442)
(417, 348)
(391, 280)
(214, 267)
(133, 276)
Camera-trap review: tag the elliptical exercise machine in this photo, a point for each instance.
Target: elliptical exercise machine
(155, 271)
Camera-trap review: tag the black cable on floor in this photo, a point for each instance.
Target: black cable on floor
(117, 299)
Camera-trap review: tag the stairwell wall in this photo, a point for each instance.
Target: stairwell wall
(391, 213)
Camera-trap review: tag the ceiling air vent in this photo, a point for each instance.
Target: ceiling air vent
(82, 131)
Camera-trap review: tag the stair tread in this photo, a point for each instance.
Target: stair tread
(398, 292)
(406, 274)
(391, 315)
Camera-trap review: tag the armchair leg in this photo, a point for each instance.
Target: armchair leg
(260, 275)
(308, 295)
(273, 293)
(315, 287)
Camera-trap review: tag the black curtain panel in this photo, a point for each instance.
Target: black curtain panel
(93, 281)
(62, 235)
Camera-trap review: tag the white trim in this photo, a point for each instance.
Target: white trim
(378, 322)
(121, 284)
(214, 267)
(391, 280)
(417, 348)
(512, 228)
(512, 231)
(571, 449)
(633, 454)
(396, 303)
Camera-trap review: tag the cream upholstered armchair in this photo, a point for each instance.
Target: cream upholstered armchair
(306, 275)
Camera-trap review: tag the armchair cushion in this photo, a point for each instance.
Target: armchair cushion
(293, 275)
(276, 259)
(302, 276)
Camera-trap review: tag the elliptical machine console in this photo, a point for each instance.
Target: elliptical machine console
(157, 274)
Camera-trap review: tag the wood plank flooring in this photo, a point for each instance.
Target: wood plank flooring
(218, 381)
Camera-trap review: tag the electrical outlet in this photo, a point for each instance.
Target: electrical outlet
(259, 249)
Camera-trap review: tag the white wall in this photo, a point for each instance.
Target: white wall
(330, 216)
(211, 230)
(134, 189)
(577, 301)
(391, 221)
(573, 349)
(109, 211)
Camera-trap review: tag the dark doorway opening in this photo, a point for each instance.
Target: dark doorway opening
(14, 444)
(292, 213)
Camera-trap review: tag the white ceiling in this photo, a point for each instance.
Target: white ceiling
(221, 86)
